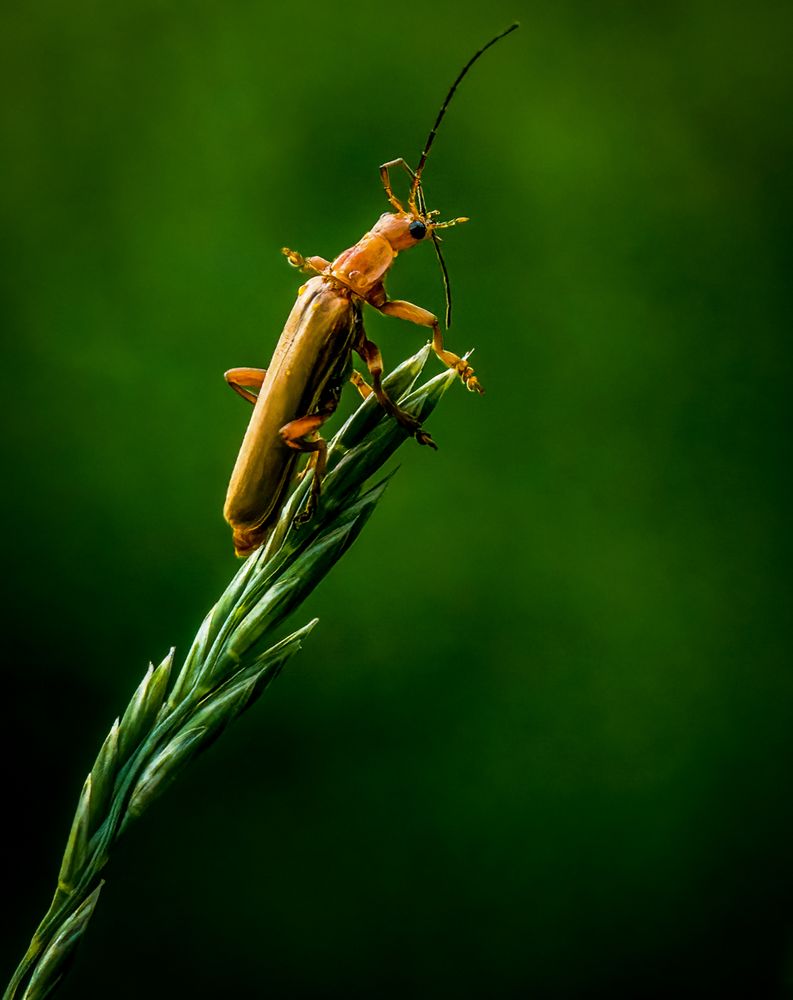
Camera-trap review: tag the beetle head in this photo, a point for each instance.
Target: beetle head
(404, 230)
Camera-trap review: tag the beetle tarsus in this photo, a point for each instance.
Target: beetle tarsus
(304, 516)
(470, 381)
(360, 383)
(413, 427)
(308, 265)
(293, 257)
(424, 438)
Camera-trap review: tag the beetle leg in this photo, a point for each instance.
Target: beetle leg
(240, 378)
(384, 168)
(294, 436)
(423, 317)
(361, 384)
(370, 353)
(309, 265)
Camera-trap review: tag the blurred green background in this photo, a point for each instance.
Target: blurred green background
(541, 742)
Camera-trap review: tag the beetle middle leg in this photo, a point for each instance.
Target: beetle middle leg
(370, 353)
(294, 436)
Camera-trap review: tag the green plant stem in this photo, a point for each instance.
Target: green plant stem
(229, 664)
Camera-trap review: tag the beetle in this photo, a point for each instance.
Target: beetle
(300, 389)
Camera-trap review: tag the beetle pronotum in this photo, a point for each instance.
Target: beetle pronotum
(313, 358)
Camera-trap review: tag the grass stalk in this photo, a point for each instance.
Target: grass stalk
(229, 664)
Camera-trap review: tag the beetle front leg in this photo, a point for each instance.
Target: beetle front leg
(423, 317)
(389, 193)
(243, 379)
(370, 353)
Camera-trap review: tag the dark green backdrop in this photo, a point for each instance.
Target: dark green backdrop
(541, 742)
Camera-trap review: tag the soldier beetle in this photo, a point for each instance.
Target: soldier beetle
(301, 387)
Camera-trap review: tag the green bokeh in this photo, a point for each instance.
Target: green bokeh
(541, 741)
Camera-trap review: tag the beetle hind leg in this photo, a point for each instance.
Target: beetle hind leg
(294, 435)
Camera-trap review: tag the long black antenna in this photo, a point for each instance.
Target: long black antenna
(447, 287)
(445, 105)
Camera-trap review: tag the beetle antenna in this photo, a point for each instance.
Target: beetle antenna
(433, 131)
(447, 286)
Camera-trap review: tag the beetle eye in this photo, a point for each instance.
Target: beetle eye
(417, 230)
